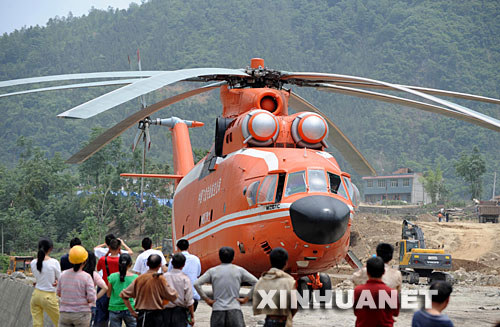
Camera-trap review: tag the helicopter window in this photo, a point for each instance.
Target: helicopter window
(342, 192)
(296, 183)
(356, 196)
(279, 189)
(336, 185)
(251, 193)
(334, 182)
(350, 190)
(317, 182)
(268, 189)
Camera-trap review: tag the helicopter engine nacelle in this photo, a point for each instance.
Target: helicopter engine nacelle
(309, 130)
(260, 128)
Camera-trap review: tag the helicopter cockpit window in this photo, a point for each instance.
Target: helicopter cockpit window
(268, 189)
(342, 192)
(334, 182)
(336, 185)
(251, 193)
(317, 181)
(350, 190)
(356, 199)
(296, 183)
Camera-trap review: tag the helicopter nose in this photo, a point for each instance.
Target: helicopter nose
(319, 219)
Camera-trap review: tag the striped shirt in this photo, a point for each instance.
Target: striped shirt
(76, 290)
(182, 284)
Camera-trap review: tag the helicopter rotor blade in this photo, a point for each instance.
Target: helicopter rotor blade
(68, 77)
(459, 95)
(407, 102)
(336, 138)
(130, 121)
(147, 139)
(74, 86)
(129, 92)
(302, 78)
(137, 138)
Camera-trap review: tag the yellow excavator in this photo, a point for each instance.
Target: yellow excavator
(416, 261)
(21, 264)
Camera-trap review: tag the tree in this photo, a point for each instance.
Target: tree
(471, 168)
(434, 183)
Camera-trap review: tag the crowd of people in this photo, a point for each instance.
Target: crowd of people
(105, 288)
(376, 277)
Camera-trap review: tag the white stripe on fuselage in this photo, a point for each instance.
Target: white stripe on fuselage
(223, 219)
(243, 221)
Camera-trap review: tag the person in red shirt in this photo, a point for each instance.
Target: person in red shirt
(375, 304)
(107, 265)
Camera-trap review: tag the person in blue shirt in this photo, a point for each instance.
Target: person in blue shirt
(434, 316)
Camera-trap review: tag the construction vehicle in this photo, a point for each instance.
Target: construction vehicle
(20, 263)
(416, 261)
(488, 211)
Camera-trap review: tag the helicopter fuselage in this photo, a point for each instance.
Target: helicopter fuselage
(255, 199)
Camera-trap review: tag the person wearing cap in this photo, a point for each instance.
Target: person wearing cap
(76, 290)
(65, 264)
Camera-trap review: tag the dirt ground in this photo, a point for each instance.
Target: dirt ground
(469, 306)
(474, 248)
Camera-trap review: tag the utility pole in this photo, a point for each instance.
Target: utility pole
(386, 199)
(494, 185)
(2, 240)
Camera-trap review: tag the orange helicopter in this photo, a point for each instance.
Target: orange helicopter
(268, 180)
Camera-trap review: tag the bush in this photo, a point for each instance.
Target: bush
(456, 204)
(4, 263)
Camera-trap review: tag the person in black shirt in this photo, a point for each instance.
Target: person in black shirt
(65, 264)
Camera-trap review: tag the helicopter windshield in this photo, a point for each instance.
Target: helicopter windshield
(317, 181)
(296, 183)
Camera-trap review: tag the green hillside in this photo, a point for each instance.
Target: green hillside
(439, 44)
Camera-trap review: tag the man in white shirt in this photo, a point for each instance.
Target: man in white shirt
(141, 266)
(192, 267)
(102, 249)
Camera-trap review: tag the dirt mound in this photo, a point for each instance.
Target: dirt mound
(469, 265)
(474, 246)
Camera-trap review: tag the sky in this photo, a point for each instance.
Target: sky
(14, 14)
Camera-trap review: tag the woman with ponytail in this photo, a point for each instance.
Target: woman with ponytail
(47, 272)
(76, 289)
(119, 281)
(98, 281)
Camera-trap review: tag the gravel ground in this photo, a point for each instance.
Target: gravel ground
(469, 306)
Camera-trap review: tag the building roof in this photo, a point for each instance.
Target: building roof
(392, 176)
